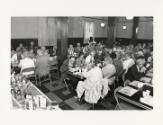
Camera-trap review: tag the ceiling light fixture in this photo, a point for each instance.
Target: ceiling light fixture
(102, 24)
(124, 27)
(129, 17)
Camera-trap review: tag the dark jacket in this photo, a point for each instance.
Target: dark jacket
(133, 74)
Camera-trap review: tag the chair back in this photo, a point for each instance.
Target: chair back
(28, 71)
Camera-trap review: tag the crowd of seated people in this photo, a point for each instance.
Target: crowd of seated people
(132, 61)
(32, 60)
(96, 61)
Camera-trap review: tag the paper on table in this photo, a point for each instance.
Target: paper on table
(128, 91)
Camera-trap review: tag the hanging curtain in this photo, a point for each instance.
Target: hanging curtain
(52, 32)
(88, 31)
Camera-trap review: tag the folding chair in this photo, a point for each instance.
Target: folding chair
(116, 98)
(122, 105)
(123, 77)
(68, 84)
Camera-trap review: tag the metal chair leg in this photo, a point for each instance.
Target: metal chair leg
(50, 77)
(93, 106)
(65, 84)
(118, 104)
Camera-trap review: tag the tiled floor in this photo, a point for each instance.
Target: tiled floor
(67, 101)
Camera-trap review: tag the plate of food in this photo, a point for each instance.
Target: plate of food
(147, 100)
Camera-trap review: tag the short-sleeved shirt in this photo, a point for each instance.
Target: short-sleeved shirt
(25, 64)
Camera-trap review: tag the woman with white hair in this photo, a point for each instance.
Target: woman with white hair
(90, 58)
(128, 62)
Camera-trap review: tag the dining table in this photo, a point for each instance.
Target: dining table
(135, 97)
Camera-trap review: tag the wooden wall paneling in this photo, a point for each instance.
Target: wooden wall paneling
(145, 30)
(134, 30)
(62, 38)
(75, 30)
(111, 32)
(42, 31)
(52, 31)
(78, 27)
(99, 31)
(24, 27)
(70, 27)
(89, 30)
(124, 33)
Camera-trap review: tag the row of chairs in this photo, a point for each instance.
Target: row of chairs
(38, 80)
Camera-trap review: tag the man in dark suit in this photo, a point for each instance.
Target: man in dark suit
(137, 70)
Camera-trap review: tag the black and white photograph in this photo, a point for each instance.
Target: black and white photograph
(82, 63)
